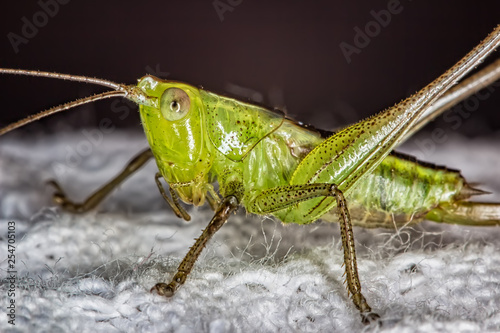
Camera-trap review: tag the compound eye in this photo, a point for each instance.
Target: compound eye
(174, 104)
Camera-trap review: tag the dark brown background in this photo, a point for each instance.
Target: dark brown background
(289, 47)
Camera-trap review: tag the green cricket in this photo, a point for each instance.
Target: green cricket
(274, 165)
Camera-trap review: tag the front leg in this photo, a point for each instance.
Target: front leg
(98, 196)
(275, 199)
(228, 206)
(174, 202)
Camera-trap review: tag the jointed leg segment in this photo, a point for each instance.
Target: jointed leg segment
(174, 202)
(283, 197)
(98, 196)
(351, 267)
(228, 206)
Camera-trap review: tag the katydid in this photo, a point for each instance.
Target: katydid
(273, 165)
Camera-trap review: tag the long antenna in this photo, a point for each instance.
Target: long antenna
(76, 78)
(62, 107)
(131, 92)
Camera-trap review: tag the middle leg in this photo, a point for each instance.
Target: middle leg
(227, 206)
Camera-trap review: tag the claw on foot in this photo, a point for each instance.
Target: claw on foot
(163, 289)
(370, 317)
(61, 200)
(58, 195)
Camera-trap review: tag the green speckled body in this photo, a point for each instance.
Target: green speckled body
(399, 190)
(272, 165)
(249, 149)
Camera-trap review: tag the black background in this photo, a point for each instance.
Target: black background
(286, 51)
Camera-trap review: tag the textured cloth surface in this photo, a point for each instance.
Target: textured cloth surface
(93, 272)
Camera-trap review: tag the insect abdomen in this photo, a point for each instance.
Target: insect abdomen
(400, 190)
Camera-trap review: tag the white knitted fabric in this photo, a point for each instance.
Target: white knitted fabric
(93, 272)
